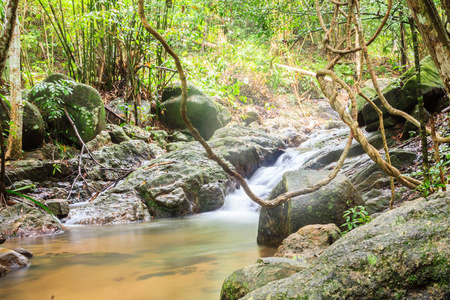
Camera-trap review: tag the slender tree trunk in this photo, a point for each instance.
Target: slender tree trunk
(434, 35)
(15, 137)
(7, 31)
(423, 132)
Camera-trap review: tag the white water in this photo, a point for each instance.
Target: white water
(239, 207)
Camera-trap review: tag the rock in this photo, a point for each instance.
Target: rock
(160, 137)
(137, 133)
(24, 252)
(327, 205)
(118, 135)
(115, 209)
(37, 170)
(12, 259)
(21, 220)
(184, 181)
(250, 278)
(205, 114)
(179, 136)
(25, 186)
(309, 242)
(3, 270)
(101, 140)
(2, 239)
(59, 207)
(246, 149)
(371, 93)
(401, 93)
(403, 253)
(33, 130)
(125, 155)
(250, 116)
(382, 83)
(84, 104)
(410, 130)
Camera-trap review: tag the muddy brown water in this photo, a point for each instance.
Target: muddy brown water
(183, 259)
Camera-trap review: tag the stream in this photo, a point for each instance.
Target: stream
(184, 258)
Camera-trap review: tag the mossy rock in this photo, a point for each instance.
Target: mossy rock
(360, 102)
(327, 205)
(84, 104)
(402, 254)
(33, 130)
(205, 114)
(401, 93)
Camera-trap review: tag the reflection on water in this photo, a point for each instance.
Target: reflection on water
(186, 258)
(175, 259)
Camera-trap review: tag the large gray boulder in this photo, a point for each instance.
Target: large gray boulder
(84, 104)
(185, 181)
(402, 254)
(327, 205)
(205, 114)
(401, 94)
(33, 129)
(250, 278)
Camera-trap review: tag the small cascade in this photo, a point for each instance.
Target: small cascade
(264, 180)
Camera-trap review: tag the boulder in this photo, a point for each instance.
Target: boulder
(21, 220)
(401, 93)
(250, 116)
(402, 254)
(12, 259)
(84, 104)
(126, 155)
(33, 130)
(327, 205)
(309, 242)
(205, 114)
(185, 181)
(59, 207)
(252, 277)
(24, 252)
(37, 170)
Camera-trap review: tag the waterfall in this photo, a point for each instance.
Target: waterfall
(264, 180)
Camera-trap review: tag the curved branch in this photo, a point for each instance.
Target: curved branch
(211, 154)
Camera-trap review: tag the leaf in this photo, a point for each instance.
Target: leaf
(33, 200)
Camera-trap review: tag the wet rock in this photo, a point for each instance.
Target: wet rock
(12, 259)
(250, 278)
(324, 206)
(114, 209)
(245, 148)
(309, 242)
(24, 252)
(185, 181)
(3, 270)
(21, 220)
(403, 253)
(84, 104)
(59, 207)
(205, 114)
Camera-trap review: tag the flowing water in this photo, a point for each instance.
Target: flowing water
(184, 258)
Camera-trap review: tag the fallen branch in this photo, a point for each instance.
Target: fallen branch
(300, 71)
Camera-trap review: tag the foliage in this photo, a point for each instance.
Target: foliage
(49, 96)
(355, 217)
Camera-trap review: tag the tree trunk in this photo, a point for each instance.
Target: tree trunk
(15, 137)
(434, 35)
(7, 31)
